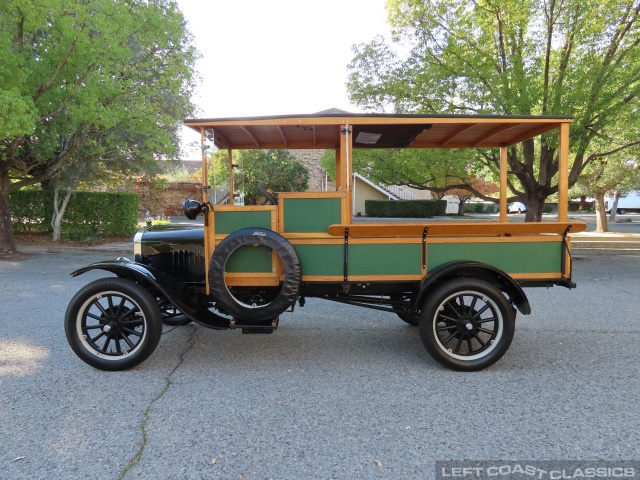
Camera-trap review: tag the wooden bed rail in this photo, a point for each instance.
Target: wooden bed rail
(454, 229)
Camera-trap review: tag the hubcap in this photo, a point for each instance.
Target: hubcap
(467, 325)
(111, 325)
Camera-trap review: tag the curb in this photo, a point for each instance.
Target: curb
(585, 251)
(114, 250)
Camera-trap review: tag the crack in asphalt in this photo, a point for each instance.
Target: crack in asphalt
(147, 412)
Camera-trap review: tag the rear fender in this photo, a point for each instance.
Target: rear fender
(473, 269)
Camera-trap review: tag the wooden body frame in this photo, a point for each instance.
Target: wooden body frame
(337, 132)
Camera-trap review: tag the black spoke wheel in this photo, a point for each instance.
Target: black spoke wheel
(171, 315)
(113, 324)
(467, 324)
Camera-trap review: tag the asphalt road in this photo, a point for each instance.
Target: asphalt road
(337, 392)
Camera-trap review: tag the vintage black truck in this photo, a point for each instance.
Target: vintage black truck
(460, 282)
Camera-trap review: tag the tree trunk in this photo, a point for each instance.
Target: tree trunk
(461, 208)
(535, 205)
(614, 207)
(601, 214)
(583, 203)
(7, 240)
(58, 210)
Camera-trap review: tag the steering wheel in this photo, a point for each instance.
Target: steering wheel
(269, 196)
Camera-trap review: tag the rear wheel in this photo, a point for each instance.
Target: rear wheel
(467, 324)
(113, 324)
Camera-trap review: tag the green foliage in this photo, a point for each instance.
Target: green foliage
(405, 208)
(432, 169)
(480, 208)
(473, 208)
(328, 164)
(275, 170)
(31, 210)
(577, 58)
(88, 215)
(93, 89)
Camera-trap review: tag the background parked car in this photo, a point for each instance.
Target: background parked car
(517, 207)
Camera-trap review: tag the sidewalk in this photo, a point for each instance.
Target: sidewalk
(591, 243)
(112, 249)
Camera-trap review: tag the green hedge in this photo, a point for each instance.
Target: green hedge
(473, 208)
(88, 214)
(31, 210)
(405, 208)
(480, 208)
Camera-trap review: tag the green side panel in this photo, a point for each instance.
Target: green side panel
(307, 215)
(385, 259)
(520, 257)
(229, 222)
(250, 259)
(322, 260)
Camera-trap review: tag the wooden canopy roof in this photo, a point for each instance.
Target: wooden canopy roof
(374, 130)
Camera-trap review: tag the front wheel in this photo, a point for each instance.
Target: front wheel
(113, 324)
(467, 324)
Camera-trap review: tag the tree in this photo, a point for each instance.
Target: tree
(436, 169)
(105, 82)
(623, 189)
(476, 185)
(274, 170)
(615, 173)
(577, 58)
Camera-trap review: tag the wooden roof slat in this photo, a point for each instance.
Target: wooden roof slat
(284, 138)
(494, 132)
(530, 134)
(218, 136)
(246, 130)
(460, 130)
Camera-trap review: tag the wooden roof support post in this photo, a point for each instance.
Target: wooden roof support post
(338, 178)
(208, 212)
(563, 173)
(204, 165)
(503, 183)
(230, 161)
(344, 167)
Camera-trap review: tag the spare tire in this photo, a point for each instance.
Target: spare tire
(251, 311)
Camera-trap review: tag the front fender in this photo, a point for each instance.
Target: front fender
(474, 269)
(153, 280)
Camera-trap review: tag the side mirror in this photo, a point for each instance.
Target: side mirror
(192, 208)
